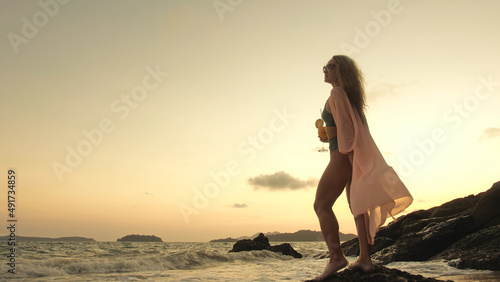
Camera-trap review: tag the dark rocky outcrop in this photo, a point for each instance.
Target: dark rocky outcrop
(246, 245)
(464, 231)
(261, 239)
(381, 274)
(285, 249)
(260, 243)
(479, 250)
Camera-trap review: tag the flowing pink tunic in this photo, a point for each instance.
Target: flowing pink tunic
(375, 188)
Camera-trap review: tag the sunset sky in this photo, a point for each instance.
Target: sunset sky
(194, 120)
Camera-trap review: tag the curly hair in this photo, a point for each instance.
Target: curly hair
(350, 78)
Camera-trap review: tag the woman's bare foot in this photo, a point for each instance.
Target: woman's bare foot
(331, 268)
(366, 267)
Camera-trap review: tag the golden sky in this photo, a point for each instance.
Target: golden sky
(194, 120)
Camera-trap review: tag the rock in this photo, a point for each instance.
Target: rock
(351, 248)
(248, 245)
(427, 234)
(285, 249)
(455, 207)
(260, 243)
(261, 239)
(381, 243)
(422, 245)
(480, 250)
(381, 274)
(487, 209)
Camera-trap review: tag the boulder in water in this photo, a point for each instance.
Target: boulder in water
(260, 243)
(285, 249)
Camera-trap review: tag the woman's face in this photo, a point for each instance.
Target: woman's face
(329, 71)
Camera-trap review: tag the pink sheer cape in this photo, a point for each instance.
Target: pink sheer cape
(375, 188)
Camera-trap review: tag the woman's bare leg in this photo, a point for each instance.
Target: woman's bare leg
(332, 183)
(364, 261)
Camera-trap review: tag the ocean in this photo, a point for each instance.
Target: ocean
(134, 261)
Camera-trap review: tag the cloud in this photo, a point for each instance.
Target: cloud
(237, 205)
(380, 90)
(280, 181)
(491, 133)
(385, 89)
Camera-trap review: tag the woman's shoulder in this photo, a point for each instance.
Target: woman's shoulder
(337, 90)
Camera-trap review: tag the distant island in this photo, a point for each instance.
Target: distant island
(299, 236)
(44, 239)
(139, 238)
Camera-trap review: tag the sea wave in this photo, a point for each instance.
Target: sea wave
(181, 260)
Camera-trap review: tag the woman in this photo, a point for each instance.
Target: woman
(374, 191)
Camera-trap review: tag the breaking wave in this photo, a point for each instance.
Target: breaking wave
(146, 262)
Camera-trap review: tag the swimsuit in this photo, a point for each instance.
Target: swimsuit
(329, 122)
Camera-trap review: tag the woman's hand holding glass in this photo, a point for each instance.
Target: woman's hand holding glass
(323, 137)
